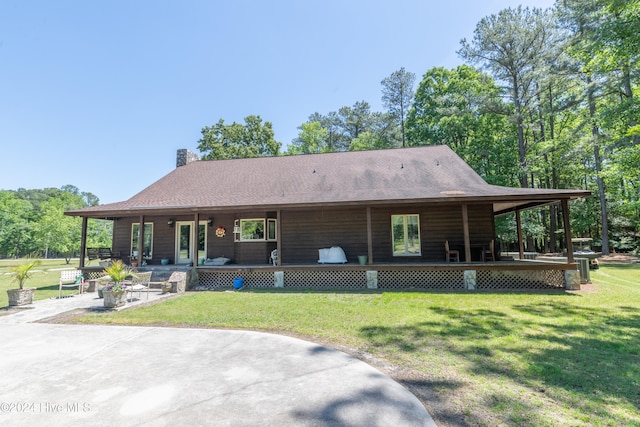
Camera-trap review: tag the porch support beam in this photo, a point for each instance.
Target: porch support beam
(369, 237)
(141, 241)
(567, 230)
(83, 241)
(465, 229)
(520, 240)
(278, 239)
(195, 231)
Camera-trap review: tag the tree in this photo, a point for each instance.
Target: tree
(57, 232)
(462, 108)
(397, 94)
(512, 44)
(234, 141)
(355, 120)
(33, 222)
(15, 232)
(312, 138)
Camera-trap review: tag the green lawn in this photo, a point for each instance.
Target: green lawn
(543, 359)
(45, 279)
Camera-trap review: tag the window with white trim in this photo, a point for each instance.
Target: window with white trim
(255, 230)
(148, 239)
(405, 233)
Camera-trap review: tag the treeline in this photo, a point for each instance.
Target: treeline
(546, 99)
(32, 223)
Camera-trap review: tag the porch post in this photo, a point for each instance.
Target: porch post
(141, 241)
(83, 241)
(194, 238)
(369, 237)
(465, 229)
(567, 230)
(278, 239)
(519, 228)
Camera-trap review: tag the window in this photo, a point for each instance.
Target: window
(148, 239)
(248, 230)
(271, 229)
(405, 231)
(251, 229)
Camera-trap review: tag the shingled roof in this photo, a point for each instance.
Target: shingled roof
(433, 174)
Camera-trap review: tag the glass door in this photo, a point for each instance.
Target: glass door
(184, 241)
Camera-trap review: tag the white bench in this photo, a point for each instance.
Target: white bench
(71, 279)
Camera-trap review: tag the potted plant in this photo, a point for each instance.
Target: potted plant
(166, 287)
(115, 293)
(21, 274)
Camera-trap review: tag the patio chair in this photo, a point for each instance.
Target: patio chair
(452, 254)
(274, 257)
(140, 282)
(489, 254)
(71, 279)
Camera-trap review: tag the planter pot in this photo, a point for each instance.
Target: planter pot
(22, 296)
(114, 299)
(164, 261)
(362, 259)
(100, 295)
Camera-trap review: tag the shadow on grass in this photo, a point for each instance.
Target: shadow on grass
(579, 356)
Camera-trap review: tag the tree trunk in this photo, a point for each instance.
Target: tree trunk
(521, 145)
(553, 223)
(598, 165)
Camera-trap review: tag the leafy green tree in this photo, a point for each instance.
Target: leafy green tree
(335, 138)
(397, 94)
(15, 232)
(355, 120)
(513, 45)
(463, 108)
(56, 232)
(33, 222)
(345, 126)
(312, 138)
(234, 141)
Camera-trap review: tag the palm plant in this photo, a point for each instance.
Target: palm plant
(23, 272)
(117, 272)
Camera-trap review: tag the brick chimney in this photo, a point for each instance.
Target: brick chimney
(185, 157)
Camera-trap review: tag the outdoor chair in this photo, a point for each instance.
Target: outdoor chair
(274, 257)
(488, 254)
(140, 282)
(452, 254)
(71, 279)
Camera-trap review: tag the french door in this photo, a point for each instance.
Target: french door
(185, 242)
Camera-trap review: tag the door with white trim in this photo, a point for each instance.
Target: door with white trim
(185, 243)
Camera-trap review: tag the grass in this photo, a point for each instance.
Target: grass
(481, 359)
(45, 279)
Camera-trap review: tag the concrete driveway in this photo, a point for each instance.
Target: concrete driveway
(116, 375)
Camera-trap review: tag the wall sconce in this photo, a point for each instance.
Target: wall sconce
(170, 223)
(210, 222)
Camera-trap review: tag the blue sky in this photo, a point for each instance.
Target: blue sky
(101, 94)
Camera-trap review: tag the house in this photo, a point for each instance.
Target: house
(396, 207)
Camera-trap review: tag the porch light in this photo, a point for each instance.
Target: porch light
(170, 222)
(210, 222)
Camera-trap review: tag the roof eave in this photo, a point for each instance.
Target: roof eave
(519, 201)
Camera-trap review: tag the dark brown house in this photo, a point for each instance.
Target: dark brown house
(396, 207)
